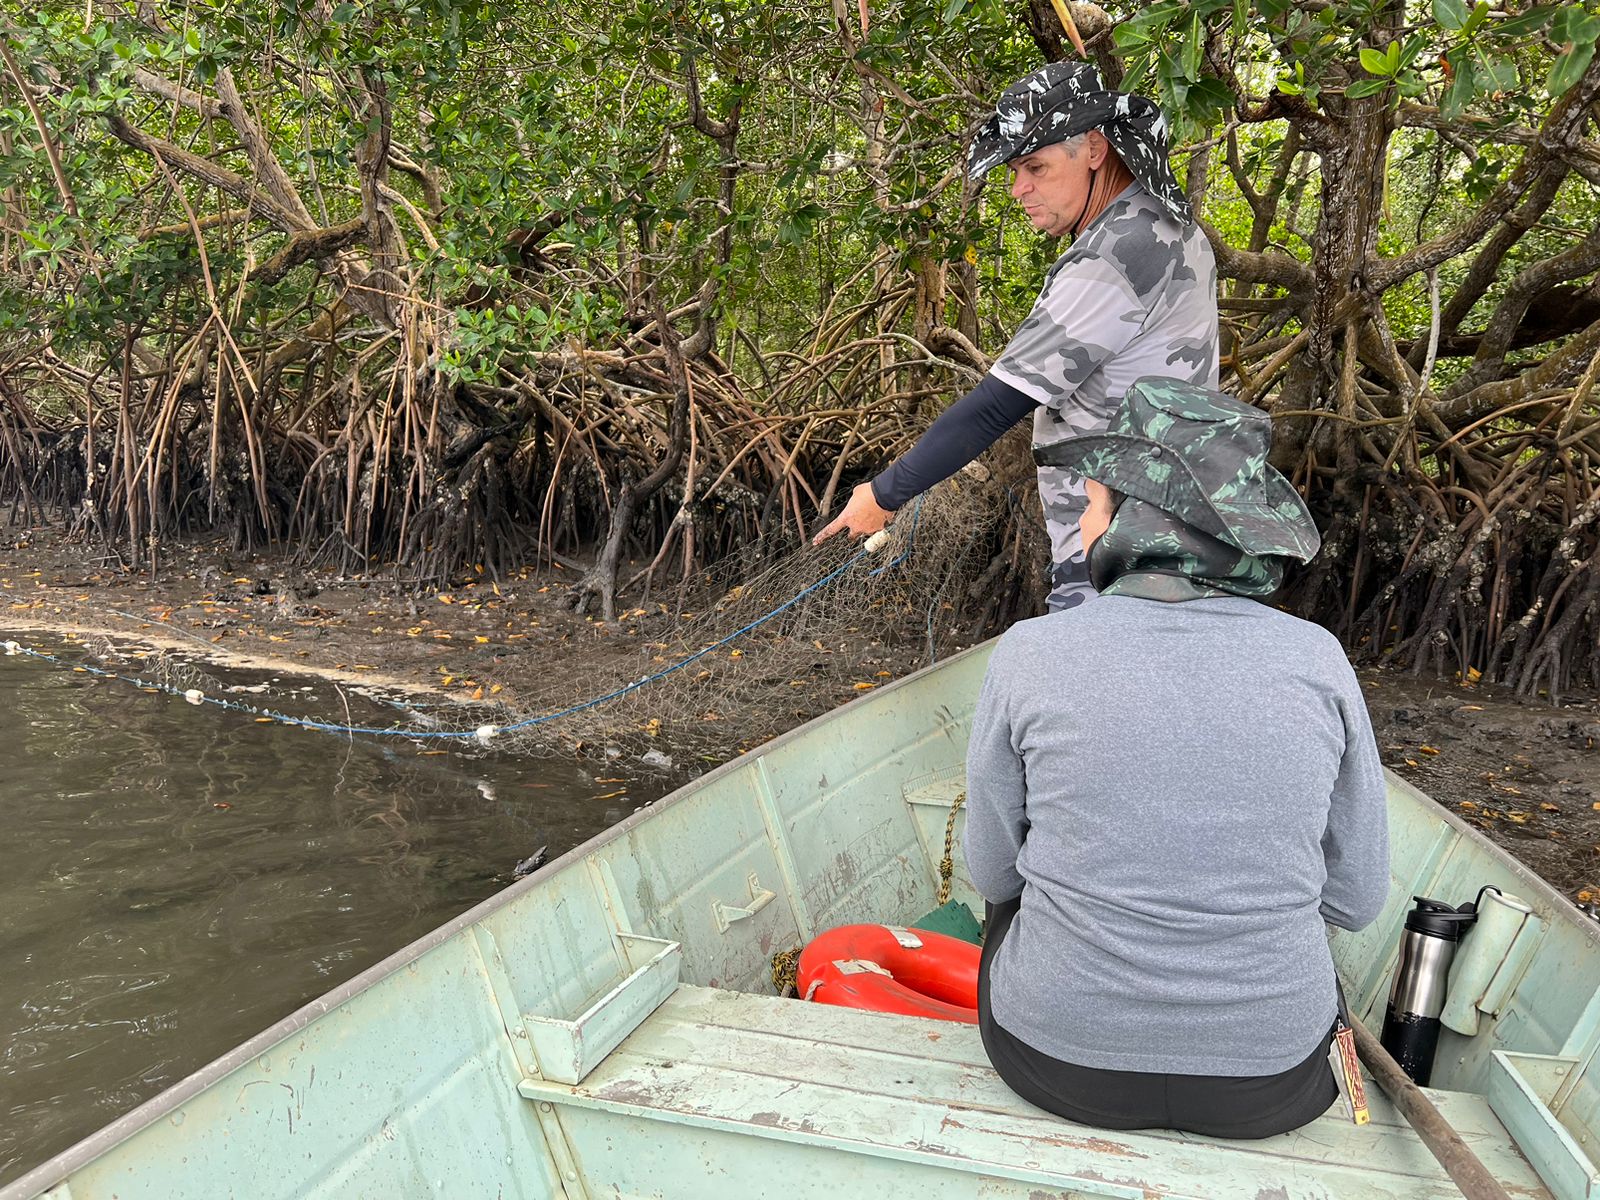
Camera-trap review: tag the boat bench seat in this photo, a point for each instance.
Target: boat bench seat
(721, 1093)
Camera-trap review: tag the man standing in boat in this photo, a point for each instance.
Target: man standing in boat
(1133, 295)
(1170, 789)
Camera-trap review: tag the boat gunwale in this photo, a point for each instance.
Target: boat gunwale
(59, 1167)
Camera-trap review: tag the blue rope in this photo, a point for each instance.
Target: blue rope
(195, 696)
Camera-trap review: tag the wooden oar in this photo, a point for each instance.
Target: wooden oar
(1466, 1169)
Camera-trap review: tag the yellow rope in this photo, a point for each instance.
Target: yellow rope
(784, 965)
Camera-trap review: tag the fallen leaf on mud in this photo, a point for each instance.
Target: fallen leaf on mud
(1428, 749)
(1517, 818)
(613, 795)
(478, 694)
(445, 599)
(1546, 806)
(863, 687)
(1468, 804)
(1411, 762)
(221, 804)
(480, 639)
(496, 689)
(431, 753)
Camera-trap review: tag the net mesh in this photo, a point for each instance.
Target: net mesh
(775, 633)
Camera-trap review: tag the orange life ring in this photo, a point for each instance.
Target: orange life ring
(884, 968)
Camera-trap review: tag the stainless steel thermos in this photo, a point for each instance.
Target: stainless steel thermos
(1427, 948)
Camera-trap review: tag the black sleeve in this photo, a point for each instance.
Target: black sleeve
(963, 431)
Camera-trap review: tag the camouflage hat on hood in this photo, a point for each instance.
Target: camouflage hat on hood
(1204, 512)
(1062, 100)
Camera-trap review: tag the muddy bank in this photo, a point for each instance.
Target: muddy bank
(1528, 774)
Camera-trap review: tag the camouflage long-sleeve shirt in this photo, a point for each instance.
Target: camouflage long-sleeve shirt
(1134, 295)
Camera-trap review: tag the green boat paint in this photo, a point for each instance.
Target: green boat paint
(606, 1027)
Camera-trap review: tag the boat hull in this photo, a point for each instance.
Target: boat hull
(440, 1071)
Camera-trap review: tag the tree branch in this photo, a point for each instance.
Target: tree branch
(205, 170)
(1560, 132)
(1558, 369)
(1267, 267)
(1581, 156)
(178, 94)
(307, 244)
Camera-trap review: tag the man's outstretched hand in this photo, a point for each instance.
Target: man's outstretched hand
(862, 515)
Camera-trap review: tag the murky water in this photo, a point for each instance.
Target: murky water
(173, 879)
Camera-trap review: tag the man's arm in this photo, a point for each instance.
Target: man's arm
(1355, 846)
(963, 431)
(997, 821)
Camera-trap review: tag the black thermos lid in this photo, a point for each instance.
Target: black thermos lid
(1437, 919)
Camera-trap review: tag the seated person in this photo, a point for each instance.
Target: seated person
(1170, 788)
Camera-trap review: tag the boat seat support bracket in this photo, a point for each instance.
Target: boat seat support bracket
(726, 914)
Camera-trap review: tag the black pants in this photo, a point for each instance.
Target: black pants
(1216, 1105)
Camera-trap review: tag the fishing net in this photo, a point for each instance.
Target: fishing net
(775, 633)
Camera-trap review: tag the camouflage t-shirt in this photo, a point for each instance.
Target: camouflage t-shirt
(1134, 295)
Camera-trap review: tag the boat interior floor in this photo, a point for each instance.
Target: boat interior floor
(855, 1103)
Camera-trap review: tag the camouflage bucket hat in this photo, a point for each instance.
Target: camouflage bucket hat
(1200, 455)
(1062, 100)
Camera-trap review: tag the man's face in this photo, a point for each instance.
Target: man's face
(1052, 183)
